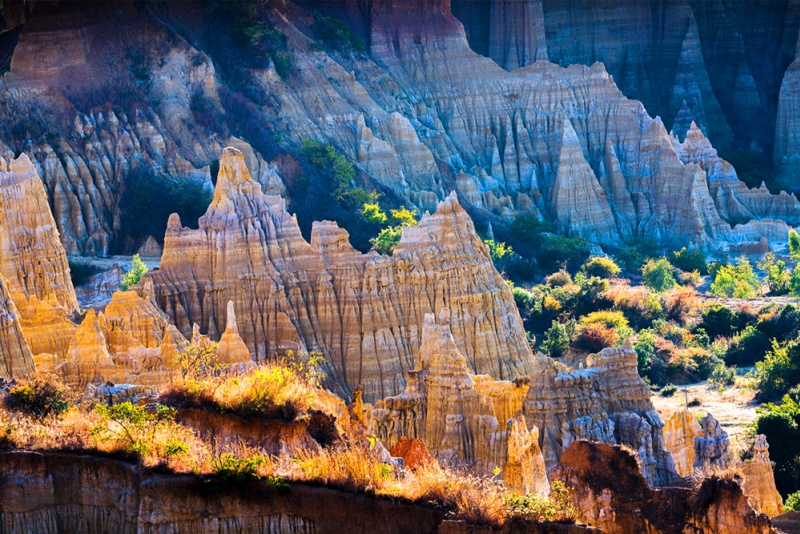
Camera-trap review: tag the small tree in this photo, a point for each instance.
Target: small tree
(794, 244)
(658, 275)
(390, 236)
(601, 266)
(736, 280)
(794, 282)
(133, 427)
(197, 358)
(556, 340)
(500, 253)
(777, 275)
(134, 275)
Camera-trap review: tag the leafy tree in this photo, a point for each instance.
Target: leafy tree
(131, 426)
(556, 340)
(658, 275)
(718, 320)
(792, 502)
(794, 244)
(794, 282)
(389, 237)
(779, 371)
(780, 423)
(196, 358)
(689, 260)
(134, 274)
(777, 275)
(736, 280)
(500, 253)
(645, 348)
(747, 347)
(373, 214)
(601, 266)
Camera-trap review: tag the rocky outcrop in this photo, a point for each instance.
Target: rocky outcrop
(232, 349)
(32, 259)
(459, 415)
(69, 493)
(786, 154)
(698, 448)
(610, 493)
(16, 359)
(362, 312)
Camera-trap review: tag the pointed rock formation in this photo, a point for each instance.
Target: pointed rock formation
(231, 348)
(363, 312)
(46, 327)
(680, 430)
(16, 359)
(457, 415)
(32, 259)
(131, 321)
(759, 480)
(88, 359)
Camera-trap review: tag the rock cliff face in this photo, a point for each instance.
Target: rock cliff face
(611, 494)
(460, 416)
(718, 63)
(71, 493)
(16, 359)
(32, 259)
(421, 115)
(696, 446)
(363, 312)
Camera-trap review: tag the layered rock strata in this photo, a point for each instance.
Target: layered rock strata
(610, 493)
(460, 416)
(16, 359)
(363, 312)
(698, 447)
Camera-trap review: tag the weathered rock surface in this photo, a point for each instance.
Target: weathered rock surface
(70, 493)
(696, 447)
(422, 116)
(611, 494)
(16, 359)
(459, 415)
(362, 312)
(32, 259)
(231, 348)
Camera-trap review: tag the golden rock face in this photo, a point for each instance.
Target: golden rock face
(363, 312)
(16, 359)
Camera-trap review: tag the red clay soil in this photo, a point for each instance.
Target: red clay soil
(412, 451)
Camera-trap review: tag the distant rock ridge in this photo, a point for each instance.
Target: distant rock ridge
(363, 312)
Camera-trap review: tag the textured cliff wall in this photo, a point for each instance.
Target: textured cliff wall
(71, 493)
(611, 494)
(421, 115)
(363, 312)
(720, 64)
(488, 423)
(16, 359)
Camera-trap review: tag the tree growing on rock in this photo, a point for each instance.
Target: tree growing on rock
(134, 275)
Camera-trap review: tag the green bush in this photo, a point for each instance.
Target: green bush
(645, 348)
(389, 237)
(336, 35)
(558, 251)
(559, 278)
(601, 267)
(777, 275)
(130, 426)
(501, 254)
(792, 502)
(556, 340)
(794, 282)
(779, 371)
(39, 398)
(689, 260)
(635, 255)
(747, 347)
(718, 320)
(780, 423)
(669, 390)
(722, 375)
(794, 244)
(134, 274)
(658, 275)
(736, 280)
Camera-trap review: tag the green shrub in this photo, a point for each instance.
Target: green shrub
(336, 35)
(645, 348)
(134, 274)
(722, 375)
(635, 255)
(658, 275)
(556, 340)
(780, 423)
(669, 390)
(389, 237)
(689, 260)
(794, 282)
(558, 251)
(531, 507)
(130, 426)
(718, 320)
(501, 254)
(794, 244)
(529, 233)
(559, 278)
(39, 398)
(601, 267)
(779, 371)
(747, 347)
(777, 275)
(792, 502)
(736, 280)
